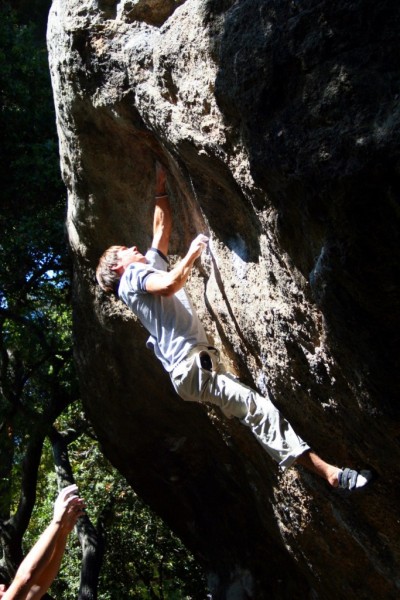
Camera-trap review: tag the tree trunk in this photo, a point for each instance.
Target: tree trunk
(13, 529)
(91, 538)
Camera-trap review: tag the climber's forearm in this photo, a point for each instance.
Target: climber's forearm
(162, 221)
(167, 284)
(162, 224)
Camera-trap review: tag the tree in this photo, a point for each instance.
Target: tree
(36, 381)
(143, 559)
(39, 397)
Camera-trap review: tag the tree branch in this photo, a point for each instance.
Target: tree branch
(90, 537)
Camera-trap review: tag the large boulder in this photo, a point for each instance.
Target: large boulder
(278, 122)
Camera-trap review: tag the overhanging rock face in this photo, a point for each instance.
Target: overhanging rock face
(278, 122)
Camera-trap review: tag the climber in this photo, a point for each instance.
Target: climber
(40, 566)
(177, 337)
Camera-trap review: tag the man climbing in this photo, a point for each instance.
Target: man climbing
(177, 337)
(40, 566)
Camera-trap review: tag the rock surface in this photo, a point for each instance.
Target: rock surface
(279, 124)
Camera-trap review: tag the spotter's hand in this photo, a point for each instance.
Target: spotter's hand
(68, 507)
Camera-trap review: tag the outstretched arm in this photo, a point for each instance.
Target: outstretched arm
(40, 566)
(50, 569)
(168, 283)
(162, 221)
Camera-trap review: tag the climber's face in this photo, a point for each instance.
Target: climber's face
(3, 589)
(127, 256)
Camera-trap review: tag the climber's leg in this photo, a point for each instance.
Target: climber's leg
(346, 479)
(314, 463)
(194, 381)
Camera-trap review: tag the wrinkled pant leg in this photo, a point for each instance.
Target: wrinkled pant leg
(235, 399)
(274, 432)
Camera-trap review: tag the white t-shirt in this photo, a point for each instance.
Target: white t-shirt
(172, 321)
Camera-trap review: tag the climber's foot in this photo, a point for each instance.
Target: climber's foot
(350, 480)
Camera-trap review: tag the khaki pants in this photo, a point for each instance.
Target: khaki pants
(201, 378)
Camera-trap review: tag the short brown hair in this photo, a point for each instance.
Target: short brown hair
(107, 277)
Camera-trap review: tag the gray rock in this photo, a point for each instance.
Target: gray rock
(278, 122)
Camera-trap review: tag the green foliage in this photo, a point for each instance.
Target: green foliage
(148, 561)
(143, 559)
(36, 370)
(33, 197)
(34, 266)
